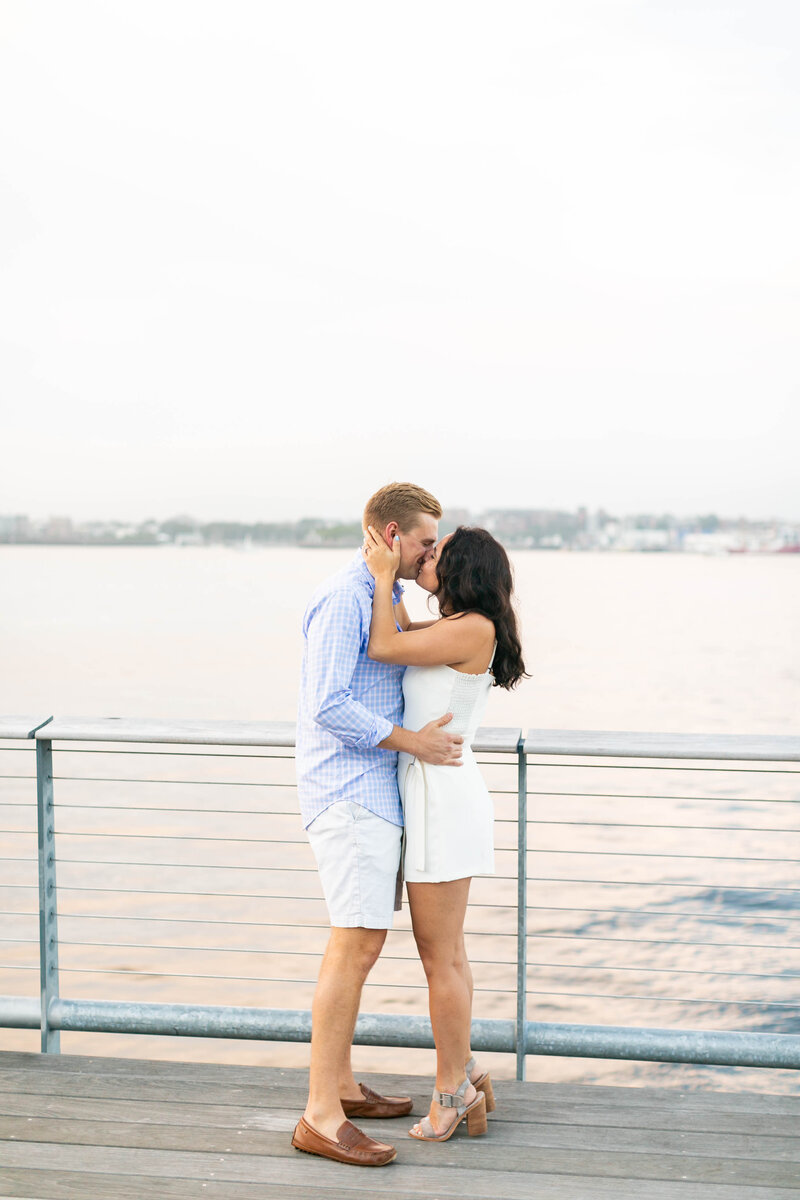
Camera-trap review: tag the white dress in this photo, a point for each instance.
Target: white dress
(448, 811)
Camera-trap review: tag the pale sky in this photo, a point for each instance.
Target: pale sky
(258, 258)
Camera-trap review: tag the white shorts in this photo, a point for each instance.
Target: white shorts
(358, 856)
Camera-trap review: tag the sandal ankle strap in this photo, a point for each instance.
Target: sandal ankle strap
(453, 1099)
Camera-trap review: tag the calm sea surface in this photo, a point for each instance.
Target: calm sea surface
(639, 642)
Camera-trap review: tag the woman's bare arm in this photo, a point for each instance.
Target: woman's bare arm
(452, 641)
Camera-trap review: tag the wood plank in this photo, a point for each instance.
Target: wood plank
(109, 1125)
(295, 1079)
(497, 739)
(74, 1127)
(79, 1185)
(494, 739)
(23, 726)
(278, 1114)
(317, 1174)
(773, 1165)
(701, 746)
(149, 730)
(286, 1087)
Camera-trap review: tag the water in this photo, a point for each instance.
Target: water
(626, 641)
(648, 642)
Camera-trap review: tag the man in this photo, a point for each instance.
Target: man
(348, 733)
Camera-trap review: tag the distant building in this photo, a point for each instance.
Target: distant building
(15, 528)
(58, 529)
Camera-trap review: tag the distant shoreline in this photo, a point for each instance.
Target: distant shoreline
(130, 543)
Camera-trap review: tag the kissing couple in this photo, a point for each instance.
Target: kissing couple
(388, 708)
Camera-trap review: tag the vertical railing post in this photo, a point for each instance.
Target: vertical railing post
(522, 903)
(48, 906)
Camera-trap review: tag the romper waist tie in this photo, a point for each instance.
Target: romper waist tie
(415, 794)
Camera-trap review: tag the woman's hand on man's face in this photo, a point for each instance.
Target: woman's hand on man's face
(380, 558)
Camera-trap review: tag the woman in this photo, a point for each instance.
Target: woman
(452, 662)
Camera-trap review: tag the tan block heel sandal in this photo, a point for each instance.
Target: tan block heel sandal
(475, 1114)
(483, 1084)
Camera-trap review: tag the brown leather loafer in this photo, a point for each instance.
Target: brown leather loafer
(351, 1145)
(374, 1105)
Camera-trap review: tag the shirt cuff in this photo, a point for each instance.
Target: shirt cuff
(384, 728)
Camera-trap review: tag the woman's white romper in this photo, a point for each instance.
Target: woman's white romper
(448, 810)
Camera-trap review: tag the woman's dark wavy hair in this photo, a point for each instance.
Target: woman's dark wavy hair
(475, 576)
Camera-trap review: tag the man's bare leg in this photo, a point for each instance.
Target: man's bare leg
(348, 960)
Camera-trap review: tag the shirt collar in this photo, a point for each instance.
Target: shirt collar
(363, 573)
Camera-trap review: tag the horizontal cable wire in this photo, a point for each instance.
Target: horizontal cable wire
(101, 862)
(179, 920)
(190, 837)
(195, 782)
(473, 904)
(182, 837)
(65, 916)
(737, 887)
(486, 962)
(593, 937)
(273, 924)
(662, 764)
(248, 978)
(160, 892)
(649, 825)
(649, 912)
(669, 999)
(184, 782)
(294, 813)
(287, 757)
(659, 854)
(657, 796)
(247, 924)
(186, 808)
(572, 966)
(112, 862)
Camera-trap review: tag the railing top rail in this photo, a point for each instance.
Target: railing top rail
(609, 744)
(21, 726)
(500, 739)
(489, 739)
(149, 729)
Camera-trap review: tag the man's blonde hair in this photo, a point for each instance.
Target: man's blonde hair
(401, 502)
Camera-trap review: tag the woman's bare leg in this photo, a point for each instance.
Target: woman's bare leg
(470, 988)
(437, 916)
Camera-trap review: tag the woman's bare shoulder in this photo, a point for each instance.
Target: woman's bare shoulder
(474, 621)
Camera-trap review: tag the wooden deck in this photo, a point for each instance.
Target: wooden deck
(123, 1129)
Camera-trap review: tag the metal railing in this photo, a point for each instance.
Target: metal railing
(536, 782)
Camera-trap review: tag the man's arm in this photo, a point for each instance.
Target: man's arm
(432, 744)
(333, 636)
(334, 642)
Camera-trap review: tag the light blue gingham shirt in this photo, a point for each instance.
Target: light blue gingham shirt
(348, 703)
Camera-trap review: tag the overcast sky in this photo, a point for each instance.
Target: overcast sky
(258, 258)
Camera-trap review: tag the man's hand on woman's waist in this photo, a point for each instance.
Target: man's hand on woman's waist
(432, 744)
